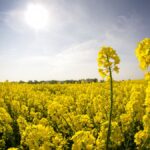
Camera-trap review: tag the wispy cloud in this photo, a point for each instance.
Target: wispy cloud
(68, 47)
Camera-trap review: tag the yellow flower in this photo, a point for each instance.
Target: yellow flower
(107, 59)
(143, 53)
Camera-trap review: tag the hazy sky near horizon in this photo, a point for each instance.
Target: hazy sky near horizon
(67, 47)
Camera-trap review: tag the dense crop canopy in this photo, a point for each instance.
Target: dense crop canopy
(73, 116)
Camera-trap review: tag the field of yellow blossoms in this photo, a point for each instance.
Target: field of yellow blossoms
(62, 116)
(75, 116)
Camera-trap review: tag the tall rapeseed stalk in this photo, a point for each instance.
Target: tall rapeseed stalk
(108, 61)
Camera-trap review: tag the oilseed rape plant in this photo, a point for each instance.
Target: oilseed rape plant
(108, 61)
(112, 115)
(143, 53)
(142, 138)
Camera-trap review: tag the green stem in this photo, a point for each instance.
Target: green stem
(110, 112)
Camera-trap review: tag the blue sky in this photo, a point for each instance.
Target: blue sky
(67, 47)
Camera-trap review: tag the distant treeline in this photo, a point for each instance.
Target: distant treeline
(64, 81)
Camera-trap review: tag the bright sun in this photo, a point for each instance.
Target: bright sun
(36, 16)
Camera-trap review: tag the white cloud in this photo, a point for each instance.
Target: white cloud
(79, 60)
(77, 57)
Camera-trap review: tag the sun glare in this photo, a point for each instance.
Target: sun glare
(36, 16)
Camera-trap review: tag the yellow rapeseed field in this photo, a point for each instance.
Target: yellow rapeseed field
(76, 116)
